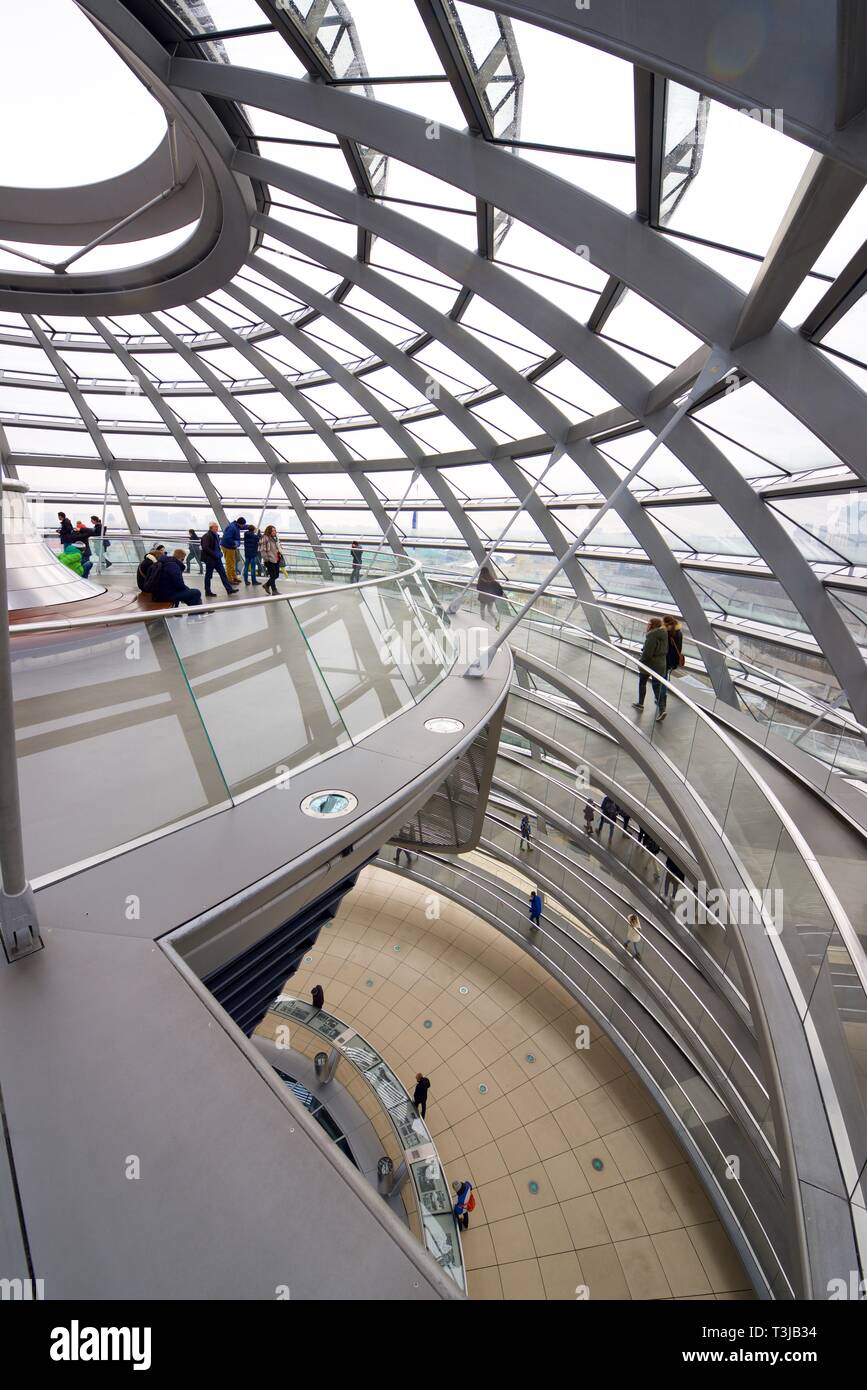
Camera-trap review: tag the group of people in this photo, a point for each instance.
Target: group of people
(663, 653)
(163, 575)
(241, 547)
(75, 549)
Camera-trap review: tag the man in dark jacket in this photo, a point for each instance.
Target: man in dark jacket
(317, 995)
(654, 654)
(357, 555)
(214, 560)
(419, 1095)
(64, 530)
(251, 550)
(526, 831)
(171, 586)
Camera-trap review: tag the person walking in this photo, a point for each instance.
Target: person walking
(145, 577)
(317, 995)
(194, 551)
(674, 657)
(535, 907)
(464, 1204)
(526, 832)
(251, 551)
(213, 559)
(633, 935)
(406, 854)
(589, 813)
(654, 654)
(674, 876)
(64, 530)
(357, 555)
(607, 817)
(490, 590)
(419, 1095)
(231, 544)
(269, 554)
(170, 586)
(101, 532)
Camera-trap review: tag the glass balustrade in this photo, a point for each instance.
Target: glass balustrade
(127, 729)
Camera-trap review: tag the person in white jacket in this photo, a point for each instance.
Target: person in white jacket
(633, 935)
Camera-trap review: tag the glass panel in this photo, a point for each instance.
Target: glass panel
(359, 669)
(263, 700)
(131, 729)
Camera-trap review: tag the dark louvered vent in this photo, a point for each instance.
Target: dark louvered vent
(247, 985)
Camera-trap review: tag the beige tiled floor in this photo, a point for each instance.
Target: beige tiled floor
(450, 997)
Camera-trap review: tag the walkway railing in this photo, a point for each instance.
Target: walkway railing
(409, 1146)
(779, 706)
(133, 724)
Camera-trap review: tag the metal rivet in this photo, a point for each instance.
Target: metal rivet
(483, 1090)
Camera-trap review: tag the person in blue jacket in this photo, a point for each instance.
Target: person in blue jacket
(251, 551)
(465, 1203)
(171, 586)
(535, 907)
(231, 544)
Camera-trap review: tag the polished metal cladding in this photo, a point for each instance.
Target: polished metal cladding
(34, 575)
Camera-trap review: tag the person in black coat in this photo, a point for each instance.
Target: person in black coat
(64, 530)
(317, 994)
(171, 586)
(97, 529)
(357, 555)
(212, 555)
(419, 1095)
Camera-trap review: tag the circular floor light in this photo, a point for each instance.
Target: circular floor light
(329, 804)
(443, 725)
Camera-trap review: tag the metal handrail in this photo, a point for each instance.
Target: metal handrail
(828, 711)
(149, 614)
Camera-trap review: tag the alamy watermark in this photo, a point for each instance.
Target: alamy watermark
(733, 907)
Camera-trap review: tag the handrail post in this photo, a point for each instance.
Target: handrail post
(19, 927)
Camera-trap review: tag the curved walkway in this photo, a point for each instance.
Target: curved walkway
(639, 1227)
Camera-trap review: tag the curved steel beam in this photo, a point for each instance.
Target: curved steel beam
(501, 289)
(168, 417)
(785, 364)
(462, 418)
(743, 58)
(251, 430)
(606, 366)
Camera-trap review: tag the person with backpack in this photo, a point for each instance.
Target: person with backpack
(633, 935)
(269, 553)
(214, 560)
(419, 1095)
(101, 532)
(169, 586)
(654, 654)
(231, 544)
(148, 571)
(71, 557)
(466, 1202)
(194, 551)
(526, 832)
(535, 907)
(251, 551)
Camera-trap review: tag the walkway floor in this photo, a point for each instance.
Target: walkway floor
(515, 1108)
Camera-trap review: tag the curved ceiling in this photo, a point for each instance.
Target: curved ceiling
(451, 243)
